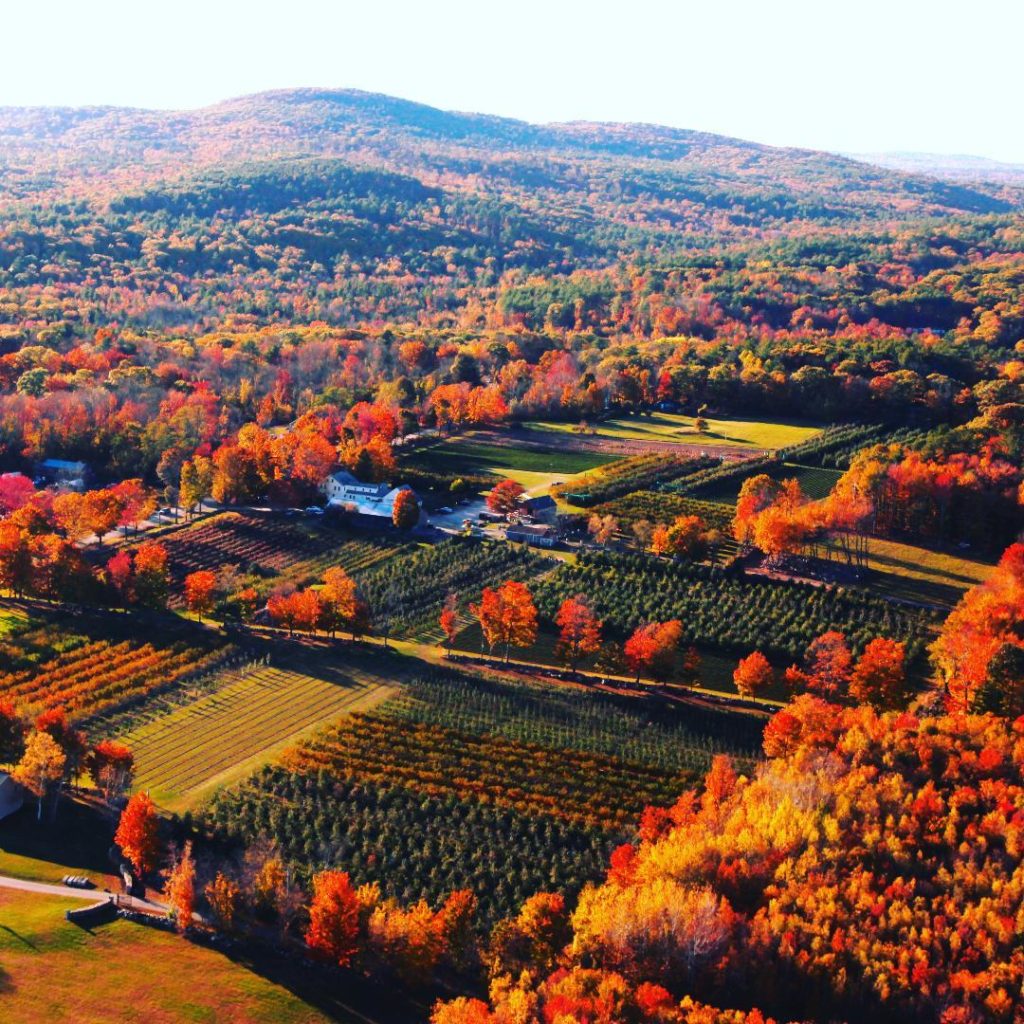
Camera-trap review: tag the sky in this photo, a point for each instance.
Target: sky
(867, 76)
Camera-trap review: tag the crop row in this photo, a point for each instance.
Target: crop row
(99, 675)
(413, 844)
(582, 787)
(566, 718)
(631, 474)
(661, 507)
(254, 709)
(413, 588)
(720, 609)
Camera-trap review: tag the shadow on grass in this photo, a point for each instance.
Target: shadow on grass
(21, 938)
(79, 839)
(345, 997)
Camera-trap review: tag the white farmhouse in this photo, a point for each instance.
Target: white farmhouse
(344, 491)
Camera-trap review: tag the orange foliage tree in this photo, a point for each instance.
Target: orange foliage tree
(579, 630)
(652, 647)
(200, 588)
(138, 833)
(753, 675)
(333, 930)
(507, 616)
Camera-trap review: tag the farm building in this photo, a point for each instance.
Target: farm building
(541, 509)
(63, 472)
(535, 536)
(11, 795)
(344, 491)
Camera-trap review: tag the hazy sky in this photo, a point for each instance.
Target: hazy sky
(926, 75)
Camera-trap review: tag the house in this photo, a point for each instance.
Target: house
(542, 509)
(535, 536)
(344, 491)
(11, 795)
(64, 473)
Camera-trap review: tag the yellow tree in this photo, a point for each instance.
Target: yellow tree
(41, 768)
(181, 889)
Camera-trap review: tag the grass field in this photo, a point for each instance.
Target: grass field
(53, 970)
(663, 426)
(815, 482)
(531, 467)
(911, 573)
(182, 756)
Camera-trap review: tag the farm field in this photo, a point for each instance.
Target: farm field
(669, 427)
(270, 550)
(911, 573)
(582, 788)
(97, 666)
(413, 589)
(55, 970)
(463, 781)
(576, 718)
(723, 612)
(183, 755)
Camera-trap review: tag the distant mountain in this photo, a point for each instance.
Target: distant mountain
(958, 167)
(681, 179)
(350, 206)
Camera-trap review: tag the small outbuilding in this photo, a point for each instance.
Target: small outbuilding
(12, 796)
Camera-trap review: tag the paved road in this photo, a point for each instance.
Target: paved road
(91, 895)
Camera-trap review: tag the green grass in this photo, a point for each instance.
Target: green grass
(911, 573)
(53, 970)
(663, 426)
(815, 482)
(471, 456)
(76, 843)
(183, 755)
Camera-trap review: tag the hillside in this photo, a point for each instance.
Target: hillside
(345, 207)
(45, 147)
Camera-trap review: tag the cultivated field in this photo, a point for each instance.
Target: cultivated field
(181, 756)
(270, 550)
(912, 573)
(670, 427)
(97, 666)
(462, 781)
(814, 481)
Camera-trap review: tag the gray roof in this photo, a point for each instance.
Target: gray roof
(541, 501)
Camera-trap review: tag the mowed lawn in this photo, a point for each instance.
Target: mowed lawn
(51, 970)
(665, 426)
(912, 573)
(815, 482)
(183, 755)
(531, 467)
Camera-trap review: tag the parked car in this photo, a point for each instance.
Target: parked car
(445, 510)
(314, 510)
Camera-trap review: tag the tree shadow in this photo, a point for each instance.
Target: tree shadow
(21, 938)
(80, 838)
(344, 996)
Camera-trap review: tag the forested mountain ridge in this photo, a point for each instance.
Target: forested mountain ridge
(46, 146)
(345, 206)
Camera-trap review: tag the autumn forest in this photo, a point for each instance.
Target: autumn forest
(465, 571)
